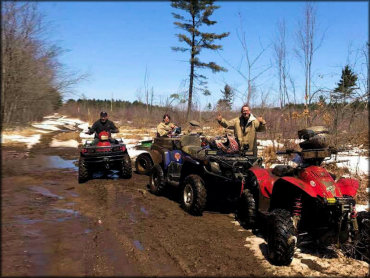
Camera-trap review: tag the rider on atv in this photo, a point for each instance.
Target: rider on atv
(165, 127)
(103, 124)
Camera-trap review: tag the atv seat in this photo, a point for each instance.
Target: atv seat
(191, 144)
(283, 170)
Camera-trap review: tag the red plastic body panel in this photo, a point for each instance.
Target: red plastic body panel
(320, 181)
(314, 180)
(265, 180)
(301, 184)
(103, 144)
(348, 186)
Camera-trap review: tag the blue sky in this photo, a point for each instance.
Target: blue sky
(115, 42)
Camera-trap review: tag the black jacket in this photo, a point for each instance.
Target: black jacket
(98, 127)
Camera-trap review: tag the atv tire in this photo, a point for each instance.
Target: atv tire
(126, 170)
(281, 238)
(83, 171)
(157, 181)
(143, 164)
(194, 195)
(246, 213)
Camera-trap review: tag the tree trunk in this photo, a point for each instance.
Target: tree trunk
(191, 73)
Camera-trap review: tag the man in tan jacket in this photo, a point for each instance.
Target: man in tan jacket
(245, 128)
(165, 127)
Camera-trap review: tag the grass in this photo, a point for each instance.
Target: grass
(64, 136)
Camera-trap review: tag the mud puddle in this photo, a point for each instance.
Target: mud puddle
(40, 163)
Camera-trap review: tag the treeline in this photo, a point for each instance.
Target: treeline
(108, 104)
(32, 80)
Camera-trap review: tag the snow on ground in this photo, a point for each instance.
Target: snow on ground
(362, 207)
(302, 262)
(64, 144)
(267, 143)
(28, 140)
(356, 164)
(46, 126)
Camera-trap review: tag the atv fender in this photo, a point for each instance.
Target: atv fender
(265, 180)
(348, 186)
(298, 183)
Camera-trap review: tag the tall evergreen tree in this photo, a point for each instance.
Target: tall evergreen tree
(197, 15)
(225, 103)
(346, 85)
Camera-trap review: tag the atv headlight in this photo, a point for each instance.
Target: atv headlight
(215, 167)
(104, 137)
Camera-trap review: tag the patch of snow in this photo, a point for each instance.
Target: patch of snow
(86, 136)
(29, 140)
(355, 164)
(362, 207)
(46, 126)
(83, 126)
(64, 144)
(266, 143)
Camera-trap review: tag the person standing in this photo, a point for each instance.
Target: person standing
(245, 128)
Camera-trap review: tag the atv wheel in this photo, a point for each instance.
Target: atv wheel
(143, 164)
(281, 238)
(156, 182)
(126, 170)
(83, 171)
(246, 212)
(194, 195)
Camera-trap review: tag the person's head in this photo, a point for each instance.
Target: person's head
(166, 118)
(245, 111)
(103, 116)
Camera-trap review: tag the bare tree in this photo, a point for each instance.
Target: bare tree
(281, 63)
(32, 80)
(308, 43)
(252, 74)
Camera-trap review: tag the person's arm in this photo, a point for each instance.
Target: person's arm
(114, 129)
(160, 130)
(260, 124)
(227, 124)
(92, 129)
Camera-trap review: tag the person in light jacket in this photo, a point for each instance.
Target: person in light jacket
(245, 128)
(165, 127)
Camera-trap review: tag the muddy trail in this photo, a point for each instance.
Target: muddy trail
(109, 226)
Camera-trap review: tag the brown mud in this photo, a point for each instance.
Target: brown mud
(108, 226)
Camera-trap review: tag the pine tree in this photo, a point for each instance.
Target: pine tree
(197, 15)
(225, 103)
(346, 85)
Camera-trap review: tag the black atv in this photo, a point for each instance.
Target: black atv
(198, 169)
(108, 154)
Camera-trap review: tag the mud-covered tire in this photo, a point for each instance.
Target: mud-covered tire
(281, 237)
(246, 212)
(157, 181)
(126, 168)
(194, 195)
(143, 164)
(83, 171)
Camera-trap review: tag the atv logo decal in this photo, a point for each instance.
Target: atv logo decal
(313, 184)
(177, 156)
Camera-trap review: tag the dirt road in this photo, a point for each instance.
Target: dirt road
(51, 225)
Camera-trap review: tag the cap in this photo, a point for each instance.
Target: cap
(103, 114)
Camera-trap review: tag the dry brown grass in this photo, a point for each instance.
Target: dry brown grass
(22, 132)
(269, 156)
(64, 136)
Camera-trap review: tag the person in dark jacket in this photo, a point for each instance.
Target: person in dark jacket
(103, 124)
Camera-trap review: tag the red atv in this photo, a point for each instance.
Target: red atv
(107, 154)
(305, 202)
